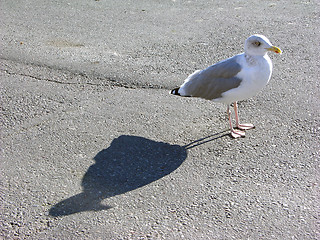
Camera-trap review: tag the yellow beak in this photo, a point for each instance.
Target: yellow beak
(275, 49)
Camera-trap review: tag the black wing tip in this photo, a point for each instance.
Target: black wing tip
(175, 91)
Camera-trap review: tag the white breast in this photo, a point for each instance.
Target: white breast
(255, 74)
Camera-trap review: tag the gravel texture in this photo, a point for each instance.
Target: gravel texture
(93, 146)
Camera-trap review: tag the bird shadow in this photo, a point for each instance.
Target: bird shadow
(130, 162)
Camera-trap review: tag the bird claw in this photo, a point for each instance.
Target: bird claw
(245, 126)
(237, 133)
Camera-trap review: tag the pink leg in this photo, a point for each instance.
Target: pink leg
(244, 126)
(234, 132)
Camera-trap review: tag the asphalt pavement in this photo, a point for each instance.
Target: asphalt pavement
(93, 146)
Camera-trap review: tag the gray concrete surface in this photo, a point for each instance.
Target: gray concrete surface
(94, 147)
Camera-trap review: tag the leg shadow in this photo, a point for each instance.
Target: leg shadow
(130, 162)
(206, 139)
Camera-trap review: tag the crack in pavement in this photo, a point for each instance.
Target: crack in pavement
(104, 82)
(38, 78)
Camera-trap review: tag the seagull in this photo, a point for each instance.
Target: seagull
(234, 79)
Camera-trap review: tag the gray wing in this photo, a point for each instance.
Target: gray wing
(211, 82)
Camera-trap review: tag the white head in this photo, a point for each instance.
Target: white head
(258, 45)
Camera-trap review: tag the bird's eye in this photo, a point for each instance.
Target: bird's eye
(257, 43)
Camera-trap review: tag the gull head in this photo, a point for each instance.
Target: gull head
(259, 45)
